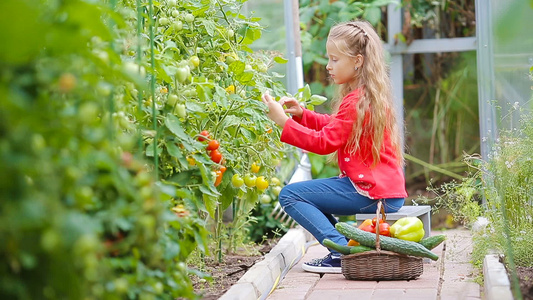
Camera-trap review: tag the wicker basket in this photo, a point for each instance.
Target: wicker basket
(380, 264)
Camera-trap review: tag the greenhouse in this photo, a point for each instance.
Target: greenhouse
(266, 149)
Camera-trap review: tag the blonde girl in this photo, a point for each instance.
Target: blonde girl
(362, 132)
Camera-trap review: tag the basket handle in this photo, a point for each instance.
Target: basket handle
(380, 212)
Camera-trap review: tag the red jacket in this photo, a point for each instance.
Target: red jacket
(324, 134)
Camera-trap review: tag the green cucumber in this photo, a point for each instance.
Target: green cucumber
(359, 249)
(344, 249)
(432, 241)
(334, 246)
(387, 243)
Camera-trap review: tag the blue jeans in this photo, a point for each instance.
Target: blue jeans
(312, 204)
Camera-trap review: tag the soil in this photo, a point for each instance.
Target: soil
(228, 272)
(525, 277)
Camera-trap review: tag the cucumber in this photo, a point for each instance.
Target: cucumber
(432, 241)
(359, 249)
(344, 249)
(387, 243)
(334, 246)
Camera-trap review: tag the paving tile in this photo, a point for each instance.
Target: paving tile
(421, 293)
(387, 294)
(341, 294)
(338, 282)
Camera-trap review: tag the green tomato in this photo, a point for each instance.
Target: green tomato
(231, 33)
(180, 110)
(249, 180)
(163, 21)
(177, 25)
(275, 181)
(182, 74)
(88, 113)
(172, 100)
(188, 18)
(237, 181)
(265, 199)
(121, 285)
(171, 2)
(194, 61)
(276, 190)
(175, 13)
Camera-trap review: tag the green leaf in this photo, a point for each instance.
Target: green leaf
(237, 67)
(173, 150)
(174, 125)
(211, 204)
(281, 60)
(317, 99)
(210, 26)
(373, 15)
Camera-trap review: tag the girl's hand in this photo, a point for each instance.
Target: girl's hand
(293, 107)
(275, 110)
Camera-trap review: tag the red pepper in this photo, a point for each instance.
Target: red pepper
(384, 229)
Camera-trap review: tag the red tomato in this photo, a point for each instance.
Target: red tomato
(203, 133)
(216, 156)
(213, 145)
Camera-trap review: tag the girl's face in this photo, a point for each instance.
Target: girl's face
(341, 67)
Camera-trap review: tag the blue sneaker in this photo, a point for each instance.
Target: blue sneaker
(329, 264)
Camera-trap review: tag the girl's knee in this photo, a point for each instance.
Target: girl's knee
(284, 196)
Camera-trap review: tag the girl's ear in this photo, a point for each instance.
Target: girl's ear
(359, 60)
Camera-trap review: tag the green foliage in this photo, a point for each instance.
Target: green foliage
(85, 135)
(317, 17)
(504, 181)
(81, 216)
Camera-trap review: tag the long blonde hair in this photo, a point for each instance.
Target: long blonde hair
(375, 108)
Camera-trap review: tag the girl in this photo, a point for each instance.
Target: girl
(362, 132)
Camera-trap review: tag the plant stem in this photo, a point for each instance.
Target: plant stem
(152, 86)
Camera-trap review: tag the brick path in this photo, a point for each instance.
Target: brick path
(449, 278)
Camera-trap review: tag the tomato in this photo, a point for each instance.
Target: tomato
(265, 199)
(188, 18)
(375, 220)
(275, 181)
(175, 13)
(67, 82)
(222, 169)
(249, 180)
(177, 25)
(218, 179)
(255, 168)
(216, 156)
(182, 73)
(203, 133)
(261, 183)
(180, 110)
(237, 180)
(194, 61)
(172, 100)
(163, 21)
(213, 145)
(276, 190)
(231, 33)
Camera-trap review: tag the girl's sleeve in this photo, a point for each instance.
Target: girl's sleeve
(328, 138)
(313, 119)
